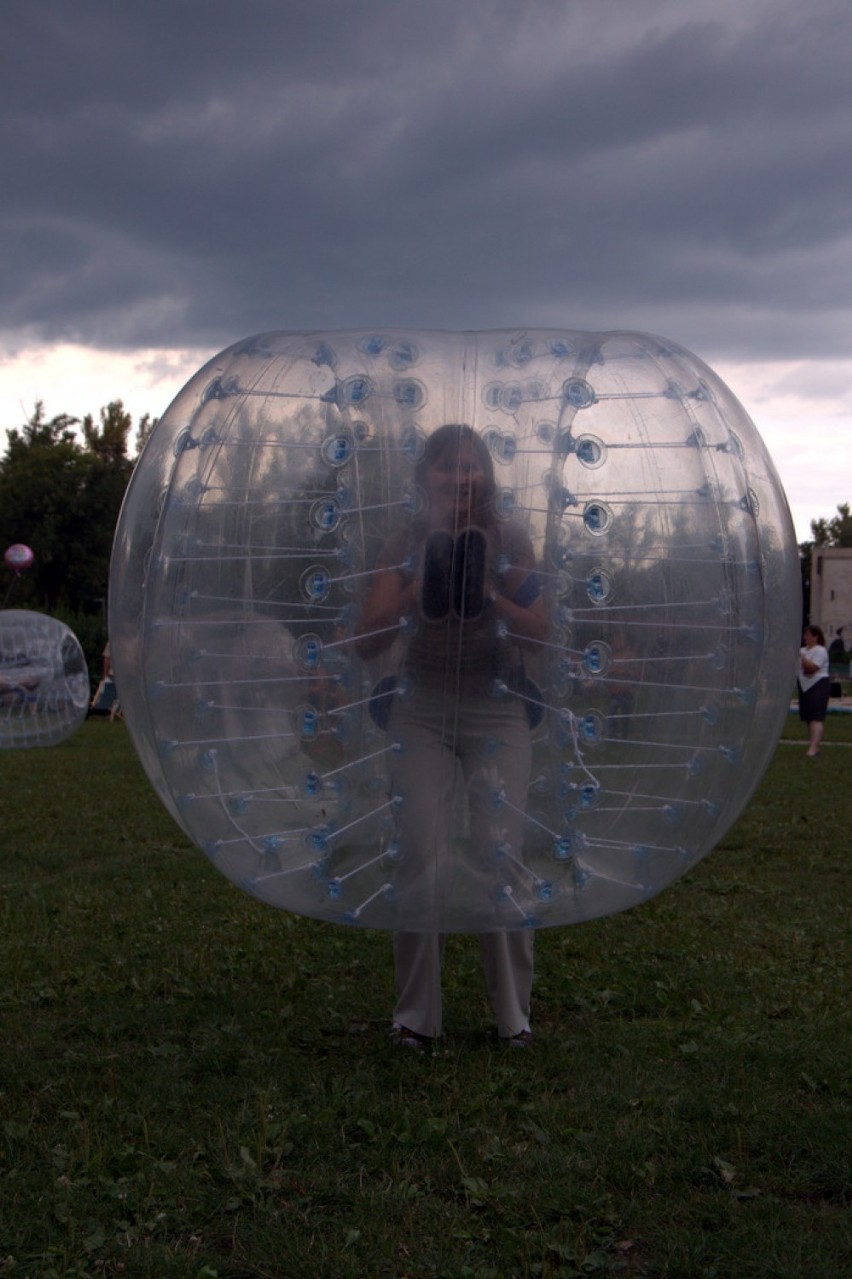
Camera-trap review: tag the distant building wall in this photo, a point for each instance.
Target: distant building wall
(831, 591)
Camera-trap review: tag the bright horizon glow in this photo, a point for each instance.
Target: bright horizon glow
(802, 409)
(78, 380)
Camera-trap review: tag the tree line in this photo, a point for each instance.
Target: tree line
(836, 531)
(62, 482)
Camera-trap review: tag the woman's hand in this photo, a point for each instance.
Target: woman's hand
(523, 622)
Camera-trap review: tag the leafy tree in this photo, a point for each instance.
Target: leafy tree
(61, 496)
(109, 440)
(144, 427)
(39, 431)
(834, 532)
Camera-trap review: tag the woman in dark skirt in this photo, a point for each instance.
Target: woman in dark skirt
(814, 686)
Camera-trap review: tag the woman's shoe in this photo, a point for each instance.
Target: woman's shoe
(402, 1037)
(523, 1039)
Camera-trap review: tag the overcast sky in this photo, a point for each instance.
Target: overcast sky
(178, 174)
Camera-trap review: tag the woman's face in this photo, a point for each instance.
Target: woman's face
(810, 639)
(455, 483)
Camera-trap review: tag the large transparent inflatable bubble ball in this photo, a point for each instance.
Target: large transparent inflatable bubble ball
(455, 631)
(44, 681)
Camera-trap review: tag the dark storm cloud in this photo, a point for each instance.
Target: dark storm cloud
(187, 173)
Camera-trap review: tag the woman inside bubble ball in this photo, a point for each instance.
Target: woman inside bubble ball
(472, 583)
(814, 686)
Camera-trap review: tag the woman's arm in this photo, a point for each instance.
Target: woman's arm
(514, 603)
(525, 622)
(391, 598)
(817, 663)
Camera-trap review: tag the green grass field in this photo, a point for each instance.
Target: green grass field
(195, 1085)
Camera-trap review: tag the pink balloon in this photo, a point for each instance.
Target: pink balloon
(18, 557)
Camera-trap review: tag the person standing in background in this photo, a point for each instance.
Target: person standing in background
(814, 686)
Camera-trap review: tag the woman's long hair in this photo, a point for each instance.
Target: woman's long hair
(449, 439)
